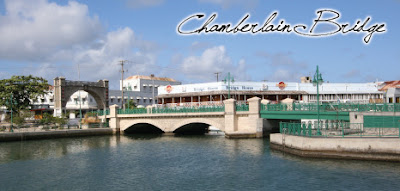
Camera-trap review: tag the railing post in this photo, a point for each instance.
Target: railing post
(114, 121)
(255, 122)
(230, 116)
(149, 109)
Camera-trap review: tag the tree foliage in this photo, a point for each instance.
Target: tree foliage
(21, 89)
(132, 104)
(50, 119)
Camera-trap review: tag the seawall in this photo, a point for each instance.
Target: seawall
(20, 136)
(384, 149)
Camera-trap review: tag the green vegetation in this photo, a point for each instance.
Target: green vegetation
(17, 92)
(48, 119)
(130, 104)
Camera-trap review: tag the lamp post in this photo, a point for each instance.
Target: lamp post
(11, 106)
(152, 79)
(316, 82)
(228, 79)
(129, 88)
(80, 98)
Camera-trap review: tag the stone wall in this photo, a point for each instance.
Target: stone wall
(350, 148)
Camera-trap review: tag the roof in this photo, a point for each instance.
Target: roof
(187, 94)
(150, 78)
(390, 84)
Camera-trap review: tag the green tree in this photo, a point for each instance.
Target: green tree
(132, 104)
(20, 90)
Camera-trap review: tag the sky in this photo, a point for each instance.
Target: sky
(86, 40)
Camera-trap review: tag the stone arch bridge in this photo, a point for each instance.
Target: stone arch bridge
(234, 123)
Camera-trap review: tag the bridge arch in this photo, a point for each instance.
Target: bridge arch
(63, 89)
(212, 122)
(143, 128)
(124, 125)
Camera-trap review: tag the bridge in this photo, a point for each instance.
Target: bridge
(252, 120)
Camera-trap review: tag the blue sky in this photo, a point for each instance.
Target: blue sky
(51, 38)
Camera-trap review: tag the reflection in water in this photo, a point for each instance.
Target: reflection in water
(152, 162)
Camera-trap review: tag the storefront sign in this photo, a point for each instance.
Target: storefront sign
(168, 89)
(281, 85)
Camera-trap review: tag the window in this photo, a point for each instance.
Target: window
(119, 100)
(144, 101)
(390, 100)
(397, 99)
(111, 100)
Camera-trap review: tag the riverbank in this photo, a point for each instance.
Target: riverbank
(382, 149)
(51, 134)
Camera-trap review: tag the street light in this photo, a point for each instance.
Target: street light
(228, 79)
(11, 108)
(129, 88)
(316, 82)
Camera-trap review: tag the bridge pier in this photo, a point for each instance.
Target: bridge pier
(114, 121)
(243, 125)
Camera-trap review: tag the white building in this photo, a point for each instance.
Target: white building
(272, 91)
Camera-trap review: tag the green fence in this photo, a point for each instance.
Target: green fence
(189, 109)
(99, 113)
(386, 107)
(242, 107)
(132, 111)
(339, 129)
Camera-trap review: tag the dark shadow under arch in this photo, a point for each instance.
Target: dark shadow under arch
(143, 128)
(193, 129)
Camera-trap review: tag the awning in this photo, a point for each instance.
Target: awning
(144, 85)
(145, 98)
(112, 97)
(138, 97)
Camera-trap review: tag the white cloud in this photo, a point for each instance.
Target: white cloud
(54, 39)
(212, 60)
(118, 45)
(249, 4)
(34, 30)
(136, 4)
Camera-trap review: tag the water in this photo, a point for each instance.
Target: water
(179, 163)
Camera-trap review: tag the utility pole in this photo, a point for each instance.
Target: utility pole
(229, 79)
(217, 73)
(122, 82)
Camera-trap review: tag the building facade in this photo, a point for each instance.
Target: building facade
(274, 92)
(141, 89)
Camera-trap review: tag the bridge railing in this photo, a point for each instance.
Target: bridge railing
(338, 129)
(99, 113)
(242, 107)
(132, 111)
(386, 107)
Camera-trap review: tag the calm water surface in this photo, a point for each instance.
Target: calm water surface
(179, 163)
